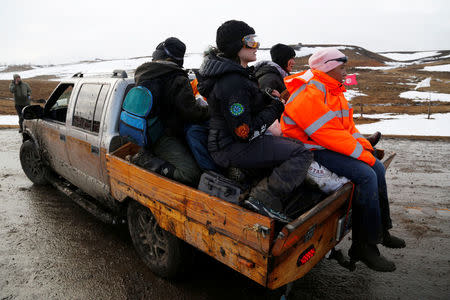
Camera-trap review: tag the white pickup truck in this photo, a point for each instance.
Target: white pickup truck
(73, 143)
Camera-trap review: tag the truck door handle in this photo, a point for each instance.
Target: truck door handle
(62, 137)
(94, 149)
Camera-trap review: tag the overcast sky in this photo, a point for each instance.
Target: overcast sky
(46, 31)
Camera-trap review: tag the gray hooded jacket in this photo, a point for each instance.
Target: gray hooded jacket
(21, 91)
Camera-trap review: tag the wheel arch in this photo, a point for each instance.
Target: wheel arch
(28, 135)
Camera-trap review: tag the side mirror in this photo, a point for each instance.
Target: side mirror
(31, 112)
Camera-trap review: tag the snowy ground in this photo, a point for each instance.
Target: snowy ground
(388, 66)
(9, 120)
(98, 68)
(194, 60)
(441, 68)
(102, 67)
(425, 96)
(350, 94)
(437, 125)
(405, 59)
(410, 56)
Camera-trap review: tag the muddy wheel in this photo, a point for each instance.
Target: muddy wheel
(32, 163)
(162, 252)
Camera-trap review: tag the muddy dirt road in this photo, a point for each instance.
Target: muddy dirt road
(51, 249)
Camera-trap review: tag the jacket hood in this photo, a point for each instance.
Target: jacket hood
(214, 67)
(156, 69)
(294, 81)
(267, 66)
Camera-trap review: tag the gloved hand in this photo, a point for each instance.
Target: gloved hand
(273, 94)
(285, 95)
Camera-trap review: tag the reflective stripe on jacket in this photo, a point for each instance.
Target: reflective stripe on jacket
(318, 114)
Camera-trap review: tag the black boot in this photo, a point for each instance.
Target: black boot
(378, 153)
(391, 241)
(374, 138)
(145, 159)
(370, 256)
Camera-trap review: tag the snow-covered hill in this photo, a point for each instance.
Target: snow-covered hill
(193, 60)
(400, 123)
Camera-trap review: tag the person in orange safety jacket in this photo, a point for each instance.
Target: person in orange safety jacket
(325, 120)
(318, 114)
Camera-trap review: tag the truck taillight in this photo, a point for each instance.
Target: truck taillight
(306, 256)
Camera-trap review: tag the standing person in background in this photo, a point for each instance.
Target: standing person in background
(240, 116)
(318, 114)
(270, 74)
(22, 95)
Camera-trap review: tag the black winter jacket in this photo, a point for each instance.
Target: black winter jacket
(177, 104)
(239, 110)
(269, 76)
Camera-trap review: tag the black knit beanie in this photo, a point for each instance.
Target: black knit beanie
(281, 54)
(171, 48)
(229, 37)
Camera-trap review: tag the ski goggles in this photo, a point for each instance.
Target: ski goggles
(340, 59)
(251, 41)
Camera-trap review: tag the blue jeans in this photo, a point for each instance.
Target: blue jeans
(371, 216)
(197, 139)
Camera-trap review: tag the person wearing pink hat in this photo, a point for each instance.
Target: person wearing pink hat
(318, 114)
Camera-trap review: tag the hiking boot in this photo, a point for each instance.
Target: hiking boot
(259, 207)
(371, 257)
(374, 138)
(378, 153)
(391, 241)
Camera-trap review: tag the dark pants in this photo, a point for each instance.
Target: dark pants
(197, 139)
(371, 214)
(174, 151)
(288, 157)
(19, 109)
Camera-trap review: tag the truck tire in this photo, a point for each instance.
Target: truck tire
(165, 254)
(32, 163)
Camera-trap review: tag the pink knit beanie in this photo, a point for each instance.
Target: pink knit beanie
(323, 61)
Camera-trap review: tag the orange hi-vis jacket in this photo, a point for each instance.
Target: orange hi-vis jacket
(318, 114)
(194, 84)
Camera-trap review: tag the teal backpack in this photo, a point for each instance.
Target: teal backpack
(139, 121)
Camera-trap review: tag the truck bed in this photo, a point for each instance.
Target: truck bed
(243, 240)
